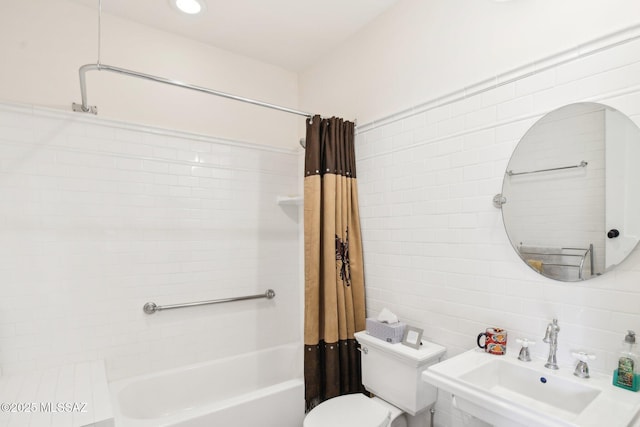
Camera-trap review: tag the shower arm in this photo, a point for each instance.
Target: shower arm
(85, 108)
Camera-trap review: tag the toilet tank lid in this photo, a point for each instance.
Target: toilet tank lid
(428, 351)
(351, 410)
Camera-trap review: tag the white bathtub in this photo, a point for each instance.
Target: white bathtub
(262, 389)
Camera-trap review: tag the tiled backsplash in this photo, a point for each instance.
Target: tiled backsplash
(436, 252)
(99, 217)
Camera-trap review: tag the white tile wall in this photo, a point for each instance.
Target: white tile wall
(99, 217)
(436, 252)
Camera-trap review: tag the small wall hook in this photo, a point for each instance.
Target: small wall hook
(499, 200)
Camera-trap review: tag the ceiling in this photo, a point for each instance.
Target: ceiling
(291, 34)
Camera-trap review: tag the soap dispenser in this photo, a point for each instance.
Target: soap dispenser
(626, 376)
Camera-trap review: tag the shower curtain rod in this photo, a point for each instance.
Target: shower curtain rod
(85, 108)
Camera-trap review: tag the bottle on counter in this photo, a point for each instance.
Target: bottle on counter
(628, 373)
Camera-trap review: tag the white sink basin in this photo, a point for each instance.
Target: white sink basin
(517, 383)
(507, 392)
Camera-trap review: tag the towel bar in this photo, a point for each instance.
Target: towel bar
(581, 165)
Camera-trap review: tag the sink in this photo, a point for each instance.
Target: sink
(505, 391)
(518, 383)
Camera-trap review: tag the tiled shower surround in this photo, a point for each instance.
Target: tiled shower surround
(99, 217)
(436, 252)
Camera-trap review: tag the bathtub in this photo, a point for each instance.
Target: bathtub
(263, 388)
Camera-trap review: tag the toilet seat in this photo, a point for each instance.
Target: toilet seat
(351, 410)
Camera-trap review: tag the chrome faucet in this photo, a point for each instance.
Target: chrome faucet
(551, 338)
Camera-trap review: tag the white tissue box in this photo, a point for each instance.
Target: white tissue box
(389, 332)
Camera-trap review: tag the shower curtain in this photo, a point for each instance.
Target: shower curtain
(334, 276)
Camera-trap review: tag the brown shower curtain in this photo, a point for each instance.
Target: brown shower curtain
(334, 276)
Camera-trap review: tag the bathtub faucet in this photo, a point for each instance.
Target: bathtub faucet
(551, 338)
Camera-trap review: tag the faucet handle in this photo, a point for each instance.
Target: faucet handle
(524, 351)
(583, 356)
(582, 369)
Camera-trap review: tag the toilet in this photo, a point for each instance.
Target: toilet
(392, 372)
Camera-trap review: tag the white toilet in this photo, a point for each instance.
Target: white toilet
(392, 372)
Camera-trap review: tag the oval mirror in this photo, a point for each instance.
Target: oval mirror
(571, 208)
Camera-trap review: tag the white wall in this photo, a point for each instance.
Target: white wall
(421, 50)
(436, 252)
(44, 42)
(99, 217)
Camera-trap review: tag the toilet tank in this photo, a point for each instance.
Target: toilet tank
(393, 372)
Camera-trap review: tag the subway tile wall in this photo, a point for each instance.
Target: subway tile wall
(99, 217)
(436, 252)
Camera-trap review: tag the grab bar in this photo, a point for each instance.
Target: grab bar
(151, 307)
(581, 165)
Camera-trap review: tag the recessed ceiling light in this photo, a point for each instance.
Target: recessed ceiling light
(191, 7)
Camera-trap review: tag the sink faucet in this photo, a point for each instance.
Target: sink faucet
(551, 338)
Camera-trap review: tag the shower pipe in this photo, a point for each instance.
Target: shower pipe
(151, 307)
(85, 108)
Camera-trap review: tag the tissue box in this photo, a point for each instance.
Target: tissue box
(389, 332)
